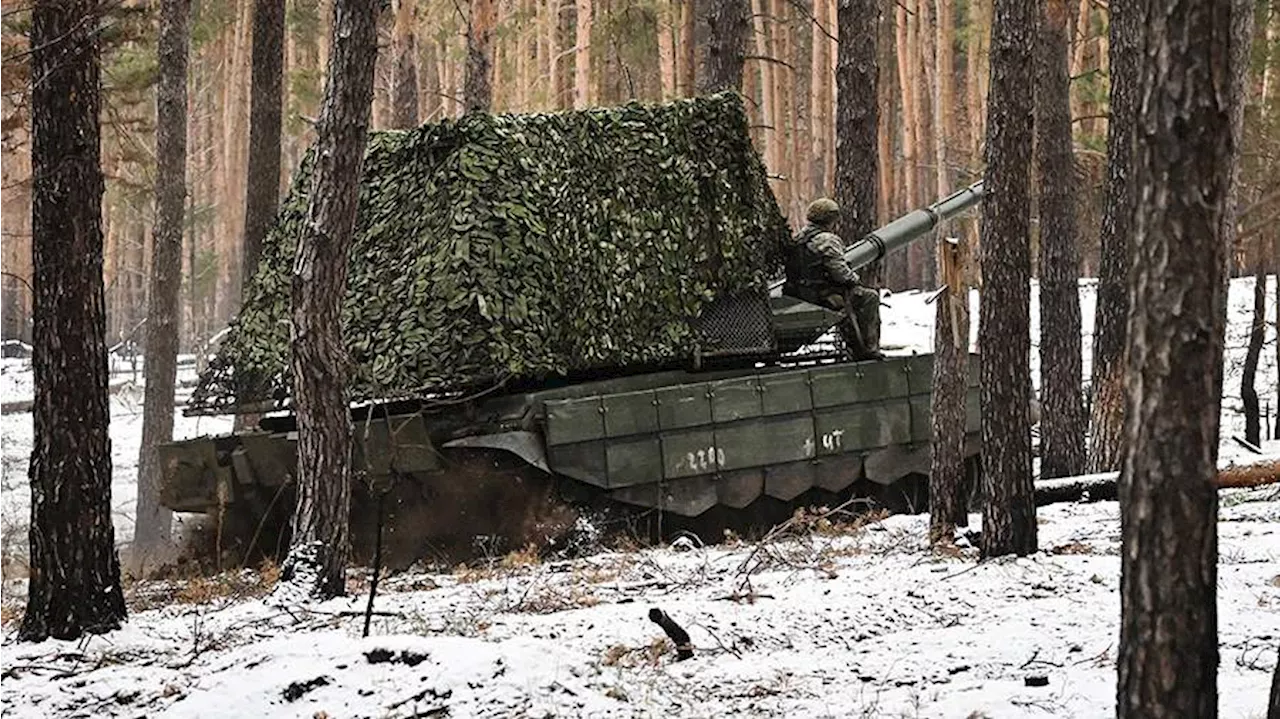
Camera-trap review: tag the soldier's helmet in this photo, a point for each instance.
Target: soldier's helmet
(823, 212)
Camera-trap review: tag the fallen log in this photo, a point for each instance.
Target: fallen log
(1250, 475)
(1102, 487)
(1089, 487)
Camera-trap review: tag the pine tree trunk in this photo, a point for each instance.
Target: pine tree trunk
(1079, 43)
(319, 549)
(235, 154)
(818, 121)
(1106, 413)
(920, 254)
(495, 81)
(553, 54)
(74, 584)
(430, 104)
(786, 88)
(1269, 96)
(265, 101)
(1008, 510)
(1168, 655)
(1257, 333)
(893, 270)
(979, 65)
(154, 522)
(944, 102)
(723, 58)
(523, 83)
(857, 182)
(688, 57)
(404, 84)
(764, 48)
(1237, 92)
(582, 57)
(950, 389)
(829, 100)
(886, 130)
(951, 334)
(477, 86)
(903, 28)
(667, 48)
(1063, 423)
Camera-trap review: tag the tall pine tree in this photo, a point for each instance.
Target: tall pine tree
(74, 584)
(1191, 77)
(321, 521)
(1063, 422)
(154, 522)
(1008, 510)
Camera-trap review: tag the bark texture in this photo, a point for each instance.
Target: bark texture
(154, 522)
(263, 188)
(320, 546)
(1257, 333)
(1106, 411)
(404, 85)
(1008, 509)
(1168, 655)
(582, 55)
(857, 74)
(477, 86)
(1063, 422)
(723, 56)
(1270, 91)
(947, 506)
(75, 574)
(687, 56)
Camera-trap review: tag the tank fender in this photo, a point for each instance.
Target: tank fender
(522, 443)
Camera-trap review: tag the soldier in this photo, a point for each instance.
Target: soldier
(818, 273)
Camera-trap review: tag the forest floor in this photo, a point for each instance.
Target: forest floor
(837, 616)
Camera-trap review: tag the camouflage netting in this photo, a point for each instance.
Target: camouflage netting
(522, 246)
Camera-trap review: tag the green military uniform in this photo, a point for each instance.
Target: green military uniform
(818, 273)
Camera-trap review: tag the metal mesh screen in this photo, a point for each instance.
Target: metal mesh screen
(741, 324)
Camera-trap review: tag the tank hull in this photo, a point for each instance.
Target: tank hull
(683, 443)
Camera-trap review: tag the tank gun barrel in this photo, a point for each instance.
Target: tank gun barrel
(910, 227)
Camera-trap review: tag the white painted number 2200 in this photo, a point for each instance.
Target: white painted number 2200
(705, 459)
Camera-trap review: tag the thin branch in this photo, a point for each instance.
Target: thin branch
(1094, 116)
(770, 58)
(805, 11)
(21, 279)
(102, 11)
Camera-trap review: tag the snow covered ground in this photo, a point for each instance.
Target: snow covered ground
(836, 622)
(844, 621)
(17, 435)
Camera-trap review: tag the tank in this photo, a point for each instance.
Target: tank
(769, 415)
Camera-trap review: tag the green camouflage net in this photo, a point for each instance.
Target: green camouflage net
(522, 246)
